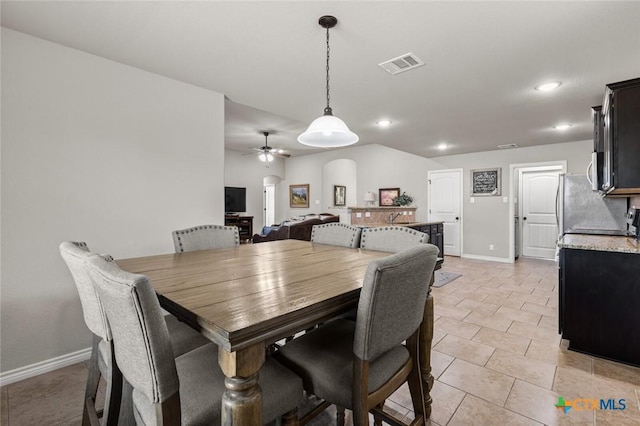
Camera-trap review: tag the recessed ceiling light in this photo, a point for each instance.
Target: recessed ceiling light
(384, 123)
(562, 126)
(442, 146)
(546, 87)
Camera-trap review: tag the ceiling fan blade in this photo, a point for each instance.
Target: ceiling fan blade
(280, 155)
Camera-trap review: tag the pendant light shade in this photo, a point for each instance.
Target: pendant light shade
(328, 131)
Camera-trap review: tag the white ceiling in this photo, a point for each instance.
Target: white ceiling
(475, 92)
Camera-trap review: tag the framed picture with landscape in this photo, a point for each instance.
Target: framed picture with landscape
(299, 196)
(339, 195)
(387, 195)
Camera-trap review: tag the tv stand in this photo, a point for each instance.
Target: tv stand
(244, 224)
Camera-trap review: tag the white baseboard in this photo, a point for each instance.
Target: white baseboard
(46, 366)
(488, 258)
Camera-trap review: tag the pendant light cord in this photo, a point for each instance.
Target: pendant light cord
(328, 131)
(327, 110)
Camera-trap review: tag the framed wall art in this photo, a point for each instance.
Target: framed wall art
(486, 182)
(387, 195)
(339, 195)
(299, 196)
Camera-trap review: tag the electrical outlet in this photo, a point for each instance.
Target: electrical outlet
(404, 213)
(367, 214)
(491, 247)
(473, 200)
(358, 214)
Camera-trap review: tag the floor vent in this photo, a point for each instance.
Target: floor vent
(402, 63)
(508, 146)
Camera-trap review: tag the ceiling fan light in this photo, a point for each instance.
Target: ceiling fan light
(328, 131)
(265, 157)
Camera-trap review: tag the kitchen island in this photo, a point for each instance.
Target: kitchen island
(599, 296)
(435, 230)
(374, 217)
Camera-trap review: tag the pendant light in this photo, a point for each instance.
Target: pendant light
(328, 131)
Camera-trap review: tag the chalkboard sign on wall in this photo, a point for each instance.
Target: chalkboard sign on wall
(485, 182)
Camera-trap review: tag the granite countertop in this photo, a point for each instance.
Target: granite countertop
(600, 243)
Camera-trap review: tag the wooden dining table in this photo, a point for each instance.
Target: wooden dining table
(247, 297)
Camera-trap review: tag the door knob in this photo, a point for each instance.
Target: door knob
(457, 218)
(524, 218)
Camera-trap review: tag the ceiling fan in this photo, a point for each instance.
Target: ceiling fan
(267, 153)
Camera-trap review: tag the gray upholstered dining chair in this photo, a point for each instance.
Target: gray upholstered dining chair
(391, 238)
(336, 234)
(358, 365)
(102, 364)
(205, 237)
(186, 390)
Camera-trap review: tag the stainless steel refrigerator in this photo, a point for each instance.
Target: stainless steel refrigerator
(580, 210)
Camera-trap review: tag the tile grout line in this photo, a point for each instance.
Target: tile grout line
(457, 407)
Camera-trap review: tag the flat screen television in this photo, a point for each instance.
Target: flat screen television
(235, 199)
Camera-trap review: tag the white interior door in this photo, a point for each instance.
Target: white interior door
(269, 204)
(538, 214)
(445, 204)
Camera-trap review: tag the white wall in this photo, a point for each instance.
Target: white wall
(487, 220)
(97, 151)
(249, 172)
(381, 167)
(340, 172)
(377, 167)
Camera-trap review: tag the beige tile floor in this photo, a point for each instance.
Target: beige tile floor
(497, 359)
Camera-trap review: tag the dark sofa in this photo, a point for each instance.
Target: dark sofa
(296, 230)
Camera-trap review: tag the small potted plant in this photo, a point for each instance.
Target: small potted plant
(403, 200)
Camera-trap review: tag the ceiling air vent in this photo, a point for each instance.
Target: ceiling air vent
(402, 63)
(507, 146)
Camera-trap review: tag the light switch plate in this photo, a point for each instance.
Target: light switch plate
(367, 214)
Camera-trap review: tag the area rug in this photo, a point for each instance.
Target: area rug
(441, 278)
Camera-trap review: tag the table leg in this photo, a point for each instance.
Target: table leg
(426, 338)
(242, 399)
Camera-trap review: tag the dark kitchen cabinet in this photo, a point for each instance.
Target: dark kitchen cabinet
(621, 129)
(436, 234)
(599, 303)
